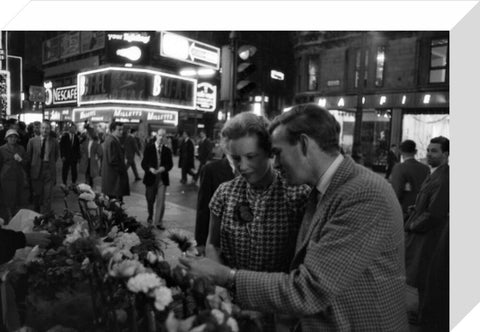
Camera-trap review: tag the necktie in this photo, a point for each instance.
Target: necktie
(42, 150)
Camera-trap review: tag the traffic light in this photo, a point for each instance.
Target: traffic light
(245, 69)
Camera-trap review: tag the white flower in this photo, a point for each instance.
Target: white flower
(199, 328)
(85, 263)
(87, 196)
(151, 257)
(219, 316)
(232, 324)
(163, 297)
(126, 240)
(125, 268)
(83, 187)
(144, 282)
(226, 306)
(113, 232)
(33, 255)
(91, 205)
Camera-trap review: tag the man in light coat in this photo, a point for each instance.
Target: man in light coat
(42, 154)
(114, 171)
(348, 271)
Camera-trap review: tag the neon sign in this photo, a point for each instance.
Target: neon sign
(120, 85)
(206, 97)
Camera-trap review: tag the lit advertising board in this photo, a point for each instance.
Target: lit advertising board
(185, 49)
(4, 93)
(60, 95)
(125, 114)
(206, 97)
(128, 47)
(119, 85)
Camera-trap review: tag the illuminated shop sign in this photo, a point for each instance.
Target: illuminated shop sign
(127, 115)
(60, 95)
(58, 114)
(189, 50)
(128, 47)
(206, 97)
(4, 93)
(120, 85)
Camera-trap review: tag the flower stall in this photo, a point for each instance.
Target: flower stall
(105, 271)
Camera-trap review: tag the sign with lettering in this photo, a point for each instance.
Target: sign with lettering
(206, 97)
(128, 47)
(58, 114)
(125, 114)
(119, 85)
(189, 50)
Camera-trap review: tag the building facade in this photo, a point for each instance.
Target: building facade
(382, 86)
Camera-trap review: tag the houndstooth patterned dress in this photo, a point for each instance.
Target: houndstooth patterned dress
(262, 238)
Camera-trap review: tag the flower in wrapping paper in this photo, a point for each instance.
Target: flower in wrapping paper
(33, 255)
(163, 297)
(144, 282)
(85, 263)
(87, 196)
(172, 324)
(113, 232)
(218, 315)
(199, 328)
(91, 205)
(232, 324)
(125, 268)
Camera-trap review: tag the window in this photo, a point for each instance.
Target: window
(438, 60)
(358, 65)
(313, 72)
(380, 66)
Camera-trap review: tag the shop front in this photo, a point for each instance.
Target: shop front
(389, 119)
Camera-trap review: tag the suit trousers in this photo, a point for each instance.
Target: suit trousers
(69, 165)
(155, 195)
(131, 163)
(43, 189)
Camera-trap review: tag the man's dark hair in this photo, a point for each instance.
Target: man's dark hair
(114, 125)
(408, 146)
(248, 124)
(443, 141)
(132, 130)
(313, 121)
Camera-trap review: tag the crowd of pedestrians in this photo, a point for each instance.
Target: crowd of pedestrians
(292, 226)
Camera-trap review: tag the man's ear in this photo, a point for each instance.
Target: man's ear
(304, 140)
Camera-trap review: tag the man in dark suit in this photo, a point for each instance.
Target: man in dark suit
(213, 174)
(187, 157)
(131, 149)
(42, 155)
(157, 162)
(204, 152)
(408, 176)
(429, 217)
(349, 250)
(70, 153)
(114, 172)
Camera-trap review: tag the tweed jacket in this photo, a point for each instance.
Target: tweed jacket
(34, 148)
(348, 271)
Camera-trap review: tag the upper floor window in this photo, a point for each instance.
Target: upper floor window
(358, 68)
(438, 60)
(380, 66)
(313, 72)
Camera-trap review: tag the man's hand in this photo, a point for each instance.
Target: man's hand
(152, 170)
(205, 267)
(37, 238)
(17, 157)
(161, 169)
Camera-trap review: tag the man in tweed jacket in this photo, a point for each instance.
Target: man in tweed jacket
(348, 271)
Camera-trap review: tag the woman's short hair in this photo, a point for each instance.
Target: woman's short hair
(248, 124)
(313, 121)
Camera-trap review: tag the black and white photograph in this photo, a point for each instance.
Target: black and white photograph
(242, 176)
